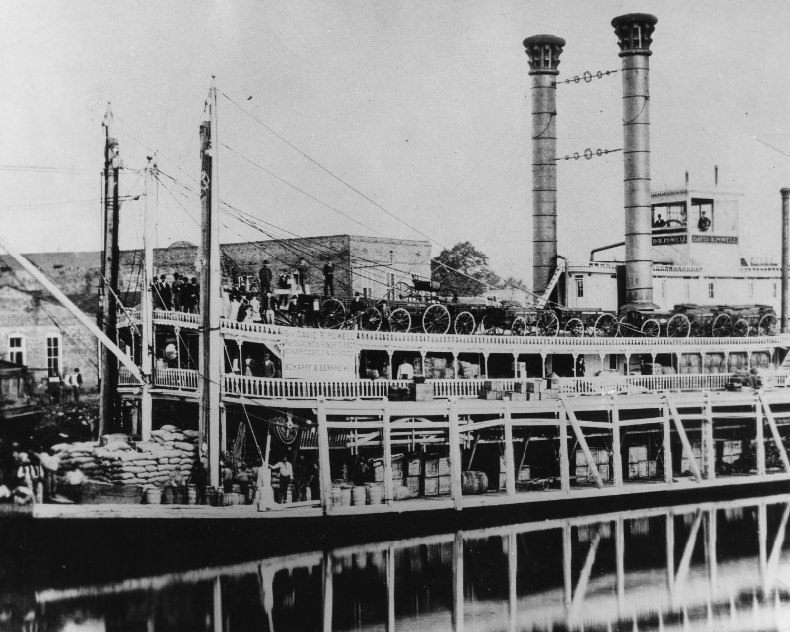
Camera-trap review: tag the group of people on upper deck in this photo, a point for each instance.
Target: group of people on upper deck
(182, 294)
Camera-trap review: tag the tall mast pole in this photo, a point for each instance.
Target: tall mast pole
(147, 303)
(108, 385)
(210, 279)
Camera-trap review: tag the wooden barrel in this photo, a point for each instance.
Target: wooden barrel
(374, 493)
(191, 495)
(234, 498)
(168, 495)
(152, 496)
(216, 497)
(358, 495)
(473, 482)
(336, 495)
(345, 495)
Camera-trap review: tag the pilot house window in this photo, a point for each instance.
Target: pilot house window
(702, 214)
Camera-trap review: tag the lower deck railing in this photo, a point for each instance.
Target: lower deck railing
(278, 388)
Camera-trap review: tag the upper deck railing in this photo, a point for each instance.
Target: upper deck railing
(477, 342)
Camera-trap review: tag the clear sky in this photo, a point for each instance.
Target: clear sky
(423, 106)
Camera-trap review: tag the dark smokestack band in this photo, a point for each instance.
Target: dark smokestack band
(634, 34)
(544, 58)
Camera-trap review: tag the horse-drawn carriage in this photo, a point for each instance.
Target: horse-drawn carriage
(690, 320)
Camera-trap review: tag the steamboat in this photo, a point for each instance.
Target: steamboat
(604, 391)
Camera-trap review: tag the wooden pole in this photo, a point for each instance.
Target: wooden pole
(695, 470)
(108, 383)
(617, 457)
(567, 564)
(456, 491)
(389, 556)
(592, 467)
(512, 577)
(670, 548)
(668, 472)
(324, 474)
(619, 526)
(759, 436)
(709, 441)
(146, 404)
(510, 466)
(210, 281)
(713, 534)
(458, 582)
(565, 466)
(386, 440)
(780, 446)
(327, 590)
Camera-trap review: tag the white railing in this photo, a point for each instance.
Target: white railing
(608, 383)
(181, 379)
(178, 318)
(309, 389)
(125, 378)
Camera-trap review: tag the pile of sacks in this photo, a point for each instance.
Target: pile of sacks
(168, 458)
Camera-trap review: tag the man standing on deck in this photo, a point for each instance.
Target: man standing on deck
(329, 279)
(265, 278)
(286, 474)
(302, 270)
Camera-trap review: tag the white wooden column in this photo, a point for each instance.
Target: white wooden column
(668, 473)
(324, 474)
(510, 459)
(617, 456)
(422, 361)
(565, 466)
(759, 436)
(455, 365)
(386, 440)
(708, 439)
(515, 366)
(485, 363)
(454, 437)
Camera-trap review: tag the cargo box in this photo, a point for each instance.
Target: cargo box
(430, 486)
(423, 392)
(444, 484)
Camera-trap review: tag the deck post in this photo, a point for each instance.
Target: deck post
(386, 439)
(510, 459)
(512, 576)
(617, 457)
(780, 446)
(668, 471)
(592, 467)
(565, 465)
(324, 475)
(328, 597)
(759, 436)
(707, 435)
(456, 491)
(695, 470)
(458, 582)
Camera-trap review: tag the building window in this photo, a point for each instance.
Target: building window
(711, 293)
(53, 356)
(367, 292)
(579, 286)
(16, 349)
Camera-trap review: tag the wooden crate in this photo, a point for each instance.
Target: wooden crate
(430, 486)
(414, 467)
(444, 484)
(413, 483)
(431, 467)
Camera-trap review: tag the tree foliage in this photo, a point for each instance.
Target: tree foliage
(464, 269)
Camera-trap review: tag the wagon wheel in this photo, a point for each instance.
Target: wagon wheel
(574, 328)
(767, 325)
(464, 323)
(519, 326)
(697, 329)
(400, 320)
(651, 328)
(548, 324)
(678, 326)
(370, 319)
(436, 320)
(741, 328)
(332, 314)
(402, 291)
(606, 326)
(490, 326)
(626, 328)
(722, 326)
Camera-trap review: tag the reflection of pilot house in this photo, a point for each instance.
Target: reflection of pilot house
(678, 344)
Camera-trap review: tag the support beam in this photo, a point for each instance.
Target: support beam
(617, 456)
(667, 445)
(759, 437)
(324, 475)
(780, 446)
(772, 565)
(456, 491)
(591, 465)
(386, 440)
(565, 464)
(708, 441)
(695, 470)
(75, 311)
(510, 466)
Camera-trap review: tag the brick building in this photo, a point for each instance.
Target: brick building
(37, 331)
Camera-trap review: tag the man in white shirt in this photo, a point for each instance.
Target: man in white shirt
(405, 371)
(286, 472)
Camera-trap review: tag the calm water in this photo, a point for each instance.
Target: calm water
(724, 566)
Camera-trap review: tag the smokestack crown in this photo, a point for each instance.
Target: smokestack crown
(544, 54)
(634, 32)
(785, 193)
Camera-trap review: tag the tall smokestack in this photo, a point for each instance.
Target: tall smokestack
(785, 259)
(544, 58)
(634, 33)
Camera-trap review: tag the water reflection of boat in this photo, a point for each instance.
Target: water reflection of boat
(713, 565)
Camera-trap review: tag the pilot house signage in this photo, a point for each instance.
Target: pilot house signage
(674, 240)
(669, 240)
(310, 359)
